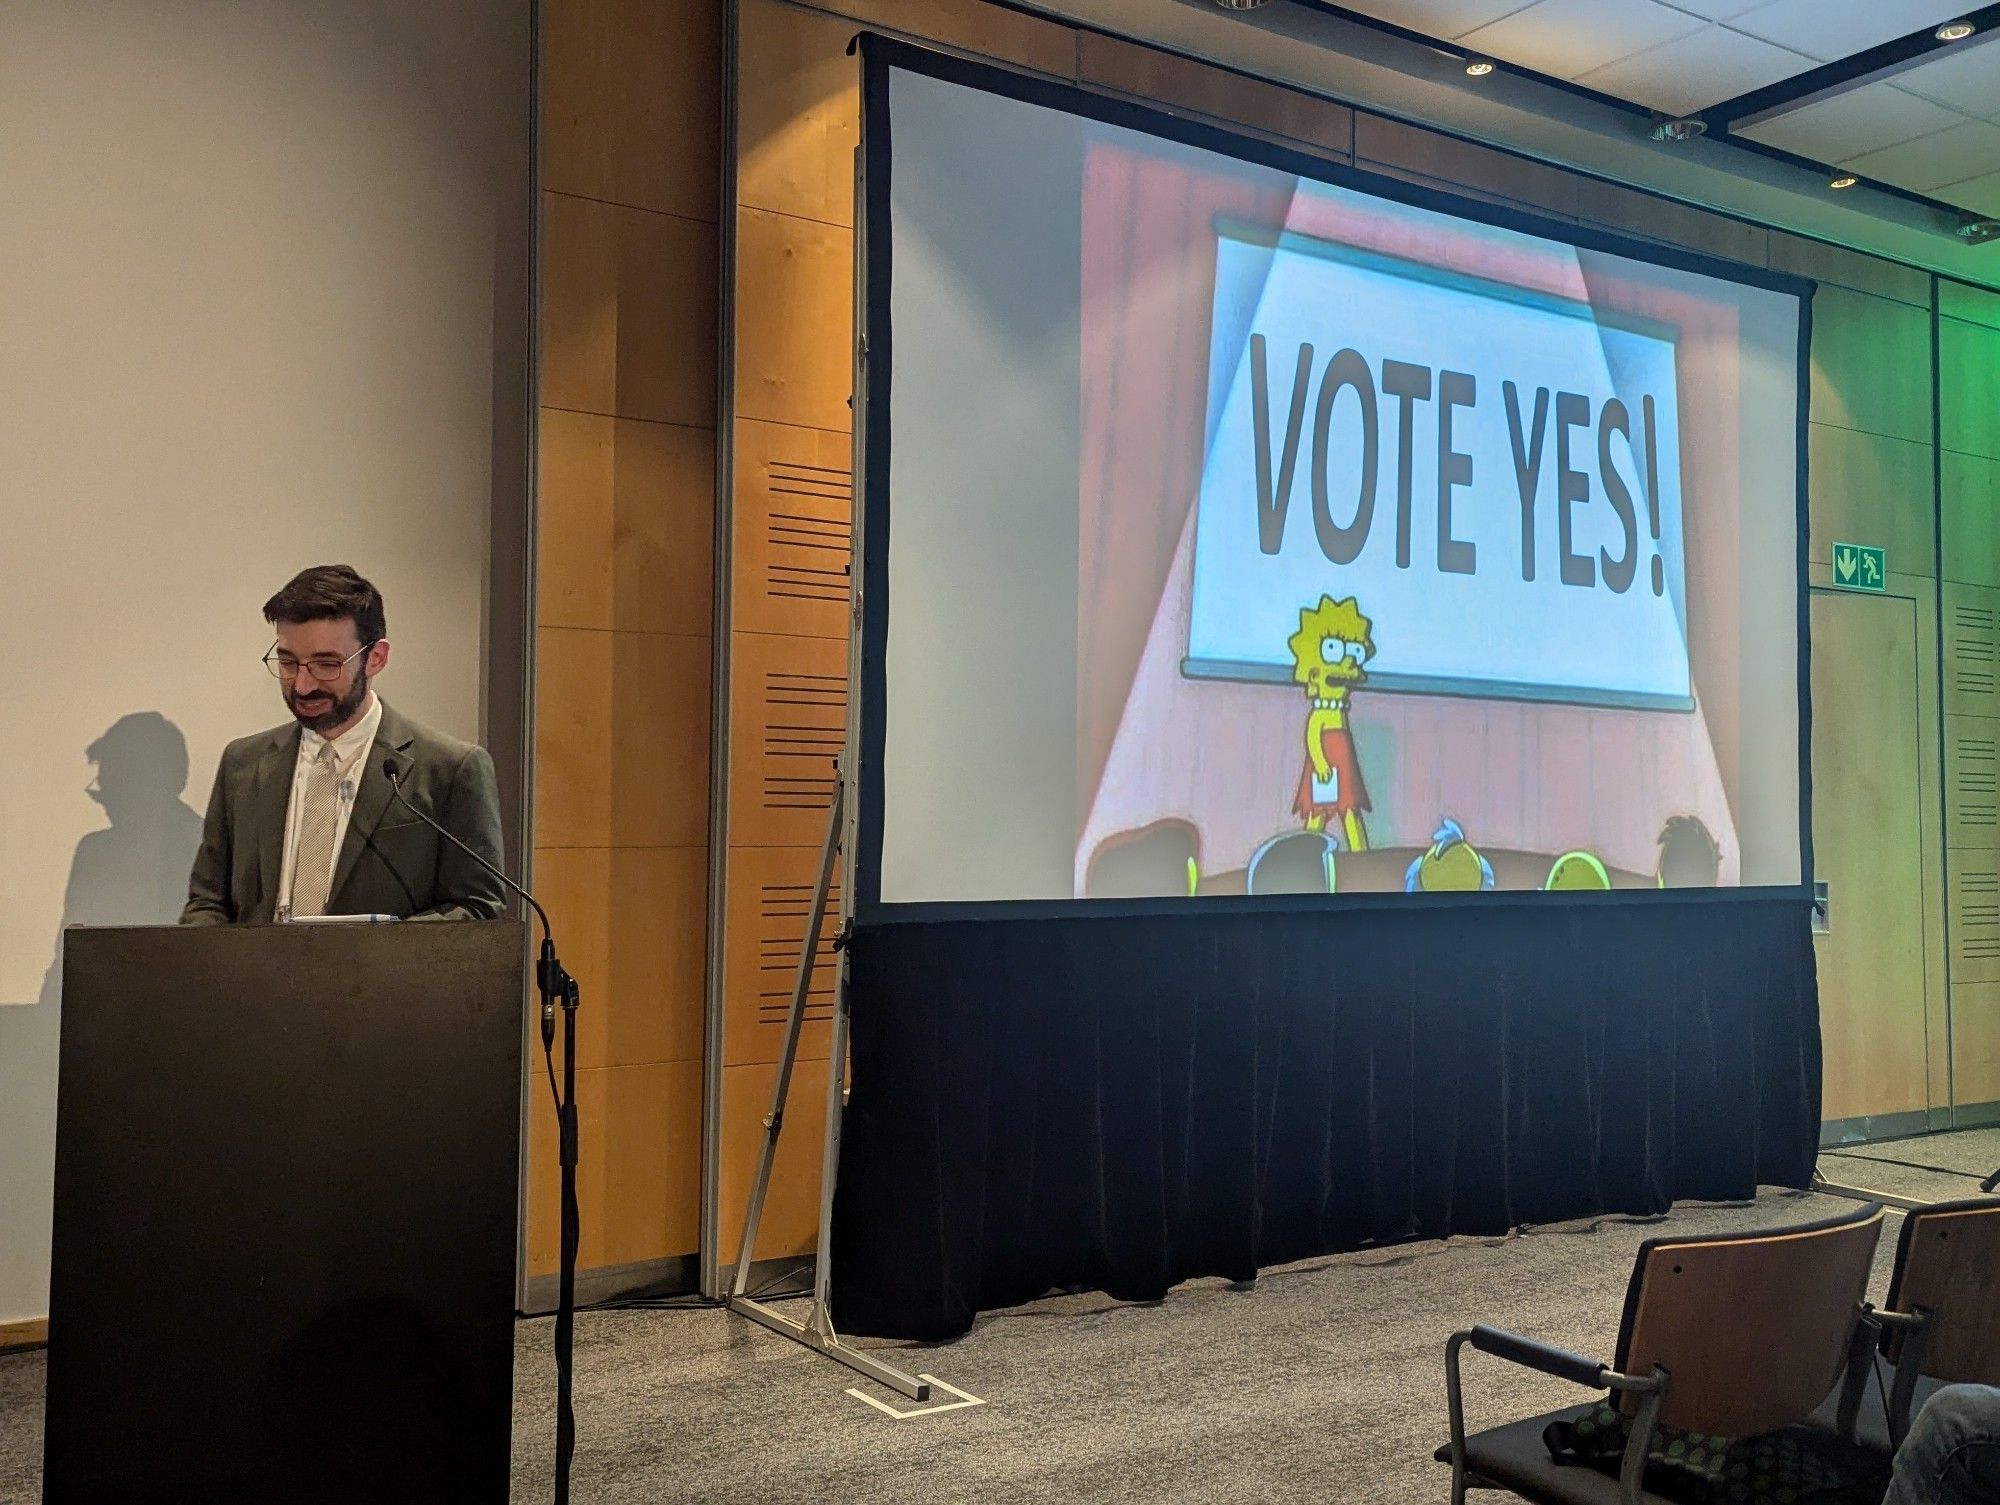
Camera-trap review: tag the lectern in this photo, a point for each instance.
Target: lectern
(286, 1182)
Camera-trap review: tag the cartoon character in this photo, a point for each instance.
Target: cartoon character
(1450, 866)
(1577, 871)
(1328, 652)
(1689, 856)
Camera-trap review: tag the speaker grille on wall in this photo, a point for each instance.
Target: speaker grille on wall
(1975, 781)
(1975, 906)
(782, 912)
(808, 530)
(804, 732)
(1972, 654)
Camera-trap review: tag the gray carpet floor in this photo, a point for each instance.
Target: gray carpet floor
(1323, 1382)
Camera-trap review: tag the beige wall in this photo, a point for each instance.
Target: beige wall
(263, 307)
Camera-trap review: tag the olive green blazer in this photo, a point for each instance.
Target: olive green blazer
(390, 862)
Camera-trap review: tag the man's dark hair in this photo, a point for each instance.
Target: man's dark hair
(326, 593)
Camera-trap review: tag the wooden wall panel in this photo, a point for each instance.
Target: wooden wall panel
(770, 898)
(573, 673)
(1970, 524)
(795, 338)
(638, 1170)
(1977, 305)
(791, 1209)
(1971, 651)
(628, 312)
(634, 922)
(1866, 488)
(1972, 880)
(1975, 1042)
(1661, 219)
(1447, 160)
(794, 497)
(1851, 269)
(1871, 365)
(627, 523)
(1969, 379)
(1972, 781)
(787, 721)
(1186, 86)
(631, 161)
(798, 113)
(632, 103)
(989, 31)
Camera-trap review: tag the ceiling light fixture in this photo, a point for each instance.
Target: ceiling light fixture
(1240, 4)
(1954, 31)
(1844, 180)
(1979, 230)
(1478, 67)
(1683, 128)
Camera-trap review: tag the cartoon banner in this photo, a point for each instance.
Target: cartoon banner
(1492, 475)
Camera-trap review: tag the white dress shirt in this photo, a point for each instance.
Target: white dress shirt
(350, 750)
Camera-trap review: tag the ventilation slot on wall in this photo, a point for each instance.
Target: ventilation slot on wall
(1977, 933)
(782, 912)
(1972, 650)
(805, 732)
(808, 530)
(1975, 784)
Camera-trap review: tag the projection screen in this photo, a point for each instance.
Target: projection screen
(1236, 523)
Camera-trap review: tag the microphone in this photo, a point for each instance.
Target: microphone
(553, 982)
(555, 985)
(392, 770)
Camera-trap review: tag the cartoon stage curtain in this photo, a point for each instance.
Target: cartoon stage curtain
(1130, 1102)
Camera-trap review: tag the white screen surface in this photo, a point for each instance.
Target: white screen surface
(1503, 593)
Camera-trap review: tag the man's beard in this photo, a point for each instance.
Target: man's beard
(340, 710)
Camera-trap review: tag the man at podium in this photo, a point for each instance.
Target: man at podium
(320, 816)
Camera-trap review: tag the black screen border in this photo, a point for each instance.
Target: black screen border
(880, 55)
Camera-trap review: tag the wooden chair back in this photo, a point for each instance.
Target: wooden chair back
(1948, 1260)
(1753, 1330)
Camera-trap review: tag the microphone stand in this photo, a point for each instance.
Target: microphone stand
(557, 988)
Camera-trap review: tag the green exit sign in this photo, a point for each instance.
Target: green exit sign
(1858, 567)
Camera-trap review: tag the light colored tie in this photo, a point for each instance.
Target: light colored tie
(319, 818)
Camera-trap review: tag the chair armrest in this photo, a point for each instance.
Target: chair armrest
(1533, 1353)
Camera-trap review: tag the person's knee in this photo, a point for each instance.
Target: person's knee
(1959, 1414)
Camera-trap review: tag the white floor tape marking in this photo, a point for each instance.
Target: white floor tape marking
(965, 1399)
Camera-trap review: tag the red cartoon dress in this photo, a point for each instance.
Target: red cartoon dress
(1344, 784)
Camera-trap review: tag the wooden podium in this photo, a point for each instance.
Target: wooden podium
(287, 1163)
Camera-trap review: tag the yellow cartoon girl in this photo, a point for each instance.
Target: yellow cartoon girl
(1328, 654)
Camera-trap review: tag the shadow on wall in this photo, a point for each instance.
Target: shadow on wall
(132, 872)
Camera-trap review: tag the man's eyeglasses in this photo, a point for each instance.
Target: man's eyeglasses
(324, 667)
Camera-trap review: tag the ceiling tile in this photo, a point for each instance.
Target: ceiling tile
(1981, 195)
(1436, 18)
(1830, 29)
(1566, 38)
(1966, 77)
(1697, 70)
(1964, 151)
(1846, 125)
(1714, 10)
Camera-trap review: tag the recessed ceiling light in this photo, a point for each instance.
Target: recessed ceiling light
(1844, 180)
(1978, 230)
(1478, 67)
(1954, 31)
(1685, 128)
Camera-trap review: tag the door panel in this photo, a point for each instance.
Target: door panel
(1867, 845)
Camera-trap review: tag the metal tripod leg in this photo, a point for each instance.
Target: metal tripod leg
(817, 1331)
